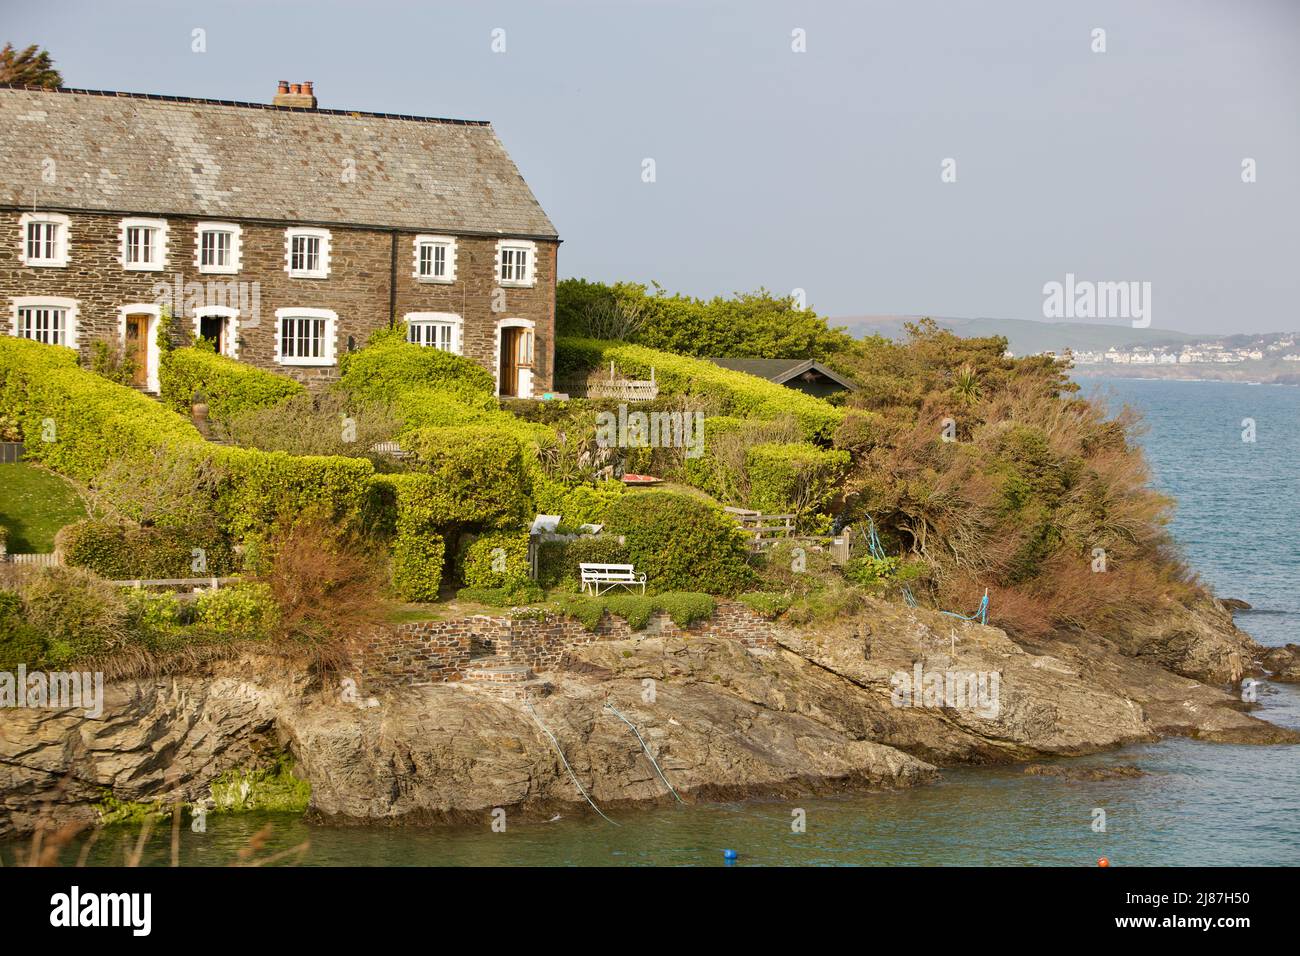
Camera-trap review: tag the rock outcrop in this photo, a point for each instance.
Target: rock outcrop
(821, 711)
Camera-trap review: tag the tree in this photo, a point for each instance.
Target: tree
(30, 67)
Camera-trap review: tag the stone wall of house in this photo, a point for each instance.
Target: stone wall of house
(431, 652)
(358, 288)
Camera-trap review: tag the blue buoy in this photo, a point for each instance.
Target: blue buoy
(728, 854)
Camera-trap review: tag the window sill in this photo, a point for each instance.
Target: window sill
(218, 271)
(515, 284)
(430, 280)
(44, 265)
(142, 267)
(306, 363)
(309, 275)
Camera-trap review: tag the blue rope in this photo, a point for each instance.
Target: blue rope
(878, 552)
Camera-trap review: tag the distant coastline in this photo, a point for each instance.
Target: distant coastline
(1264, 373)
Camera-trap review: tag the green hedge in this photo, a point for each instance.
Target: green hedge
(557, 561)
(795, 478)
(411, 511)
(126, 552)
(245, 612)
(681, 542)
(684, 607)
(575, 504)
(479, 474)
(389, 367)
(74, 421)
(736, 394)
(230, 387)
(496, 560)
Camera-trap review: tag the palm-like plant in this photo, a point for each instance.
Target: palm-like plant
(29, 67)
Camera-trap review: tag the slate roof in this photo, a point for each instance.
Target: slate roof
(781, 371)
(134, 153)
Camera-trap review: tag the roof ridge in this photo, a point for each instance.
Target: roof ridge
(200, 101)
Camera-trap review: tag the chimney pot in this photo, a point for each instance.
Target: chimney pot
(296, 95)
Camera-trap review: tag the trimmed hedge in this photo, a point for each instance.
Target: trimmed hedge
(246, 612)
(478, 475)
(411, 511)
(389, 367)
(496, 560)
(557, 561)
(684, 607)
(74, 421)
(681, 542)
(737, 394)
(799, 478)
(122, 552)
(230, 387)
(575, 504)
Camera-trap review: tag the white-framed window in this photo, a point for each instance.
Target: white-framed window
(51, 320)
(307, 253)
(435, 259)
(218, 248)
(144, 245)
(516, 262)
(439, 330)
(45, 238)
(305, 336)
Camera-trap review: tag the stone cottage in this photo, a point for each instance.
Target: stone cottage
(284, 233)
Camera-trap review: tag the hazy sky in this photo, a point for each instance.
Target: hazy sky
(817, 170)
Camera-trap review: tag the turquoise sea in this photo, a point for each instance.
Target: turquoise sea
(1210, 804)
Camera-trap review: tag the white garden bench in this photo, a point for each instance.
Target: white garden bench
(611, 575)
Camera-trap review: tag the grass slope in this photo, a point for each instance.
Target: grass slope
(34, 505)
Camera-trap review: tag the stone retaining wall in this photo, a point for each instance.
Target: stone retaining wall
(432, 652)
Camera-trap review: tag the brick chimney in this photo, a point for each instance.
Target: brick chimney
(295, 94)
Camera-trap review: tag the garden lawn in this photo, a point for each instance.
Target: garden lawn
(34, 505)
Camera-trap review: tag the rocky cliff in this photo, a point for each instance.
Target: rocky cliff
(821, 710)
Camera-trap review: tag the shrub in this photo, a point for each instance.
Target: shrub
(633, 608)
(76, 422)
(557, 561)
(478, 475)
(680, 541)
(79, 615)
(325, 424)
(412, 515)
(171, 487)
(20, 642)
(735, 393)
(389, 367)
(870, 572)
(496, 560)
(685, 607)
(125, 552)
(229, 387)
(155, 618)
(328, 589)
(576, 504)
(769, 604)
(263, 489)
(794, 478)
(514, 595)
(244, 612)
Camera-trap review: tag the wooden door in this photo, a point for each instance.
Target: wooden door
(510, 361)
(137, 347)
